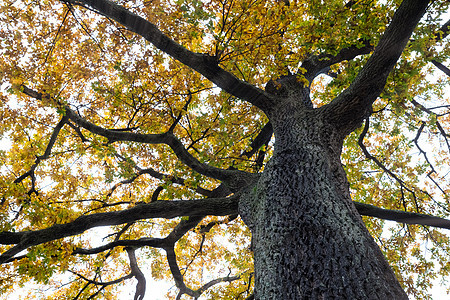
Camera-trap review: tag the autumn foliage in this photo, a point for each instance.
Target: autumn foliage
(124, 149)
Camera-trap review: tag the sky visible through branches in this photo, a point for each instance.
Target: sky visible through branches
(107, 123)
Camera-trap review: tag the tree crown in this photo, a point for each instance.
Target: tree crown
(111, 111)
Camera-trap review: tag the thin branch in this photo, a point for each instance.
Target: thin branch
(184, 226)
(251, 296)
(78, 131)
(142, 242)
(185, 107)
(56, 37)
(94, 295)
(206, 228)
(120, 232)
(19, 257)
(444, 134)
(416, 142)
(195, 255)
(156, 193)
(376, 161)
(94, 282)
(84, 26)
(47, 152)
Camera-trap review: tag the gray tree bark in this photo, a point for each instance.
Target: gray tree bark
(308, 239)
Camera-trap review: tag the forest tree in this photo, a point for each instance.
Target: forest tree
(242, 149)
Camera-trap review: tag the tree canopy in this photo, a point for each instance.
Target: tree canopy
(151, 120)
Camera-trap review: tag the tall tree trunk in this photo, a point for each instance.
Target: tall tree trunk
(309, 241)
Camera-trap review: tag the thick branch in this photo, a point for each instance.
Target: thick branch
(401, 216)
(171, 209)
(234, 179)
(163, 138)
(261, 139)
(137, 273)
(352, 106)
(182, 228)
(443, 31)
(179, 281)
(158, 209)
(216, 281)
(316, 64)
(204, 64)
(441, 67)
(231, 177)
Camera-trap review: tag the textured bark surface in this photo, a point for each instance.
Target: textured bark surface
(309, 241)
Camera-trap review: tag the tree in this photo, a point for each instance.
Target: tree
(174, 123)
